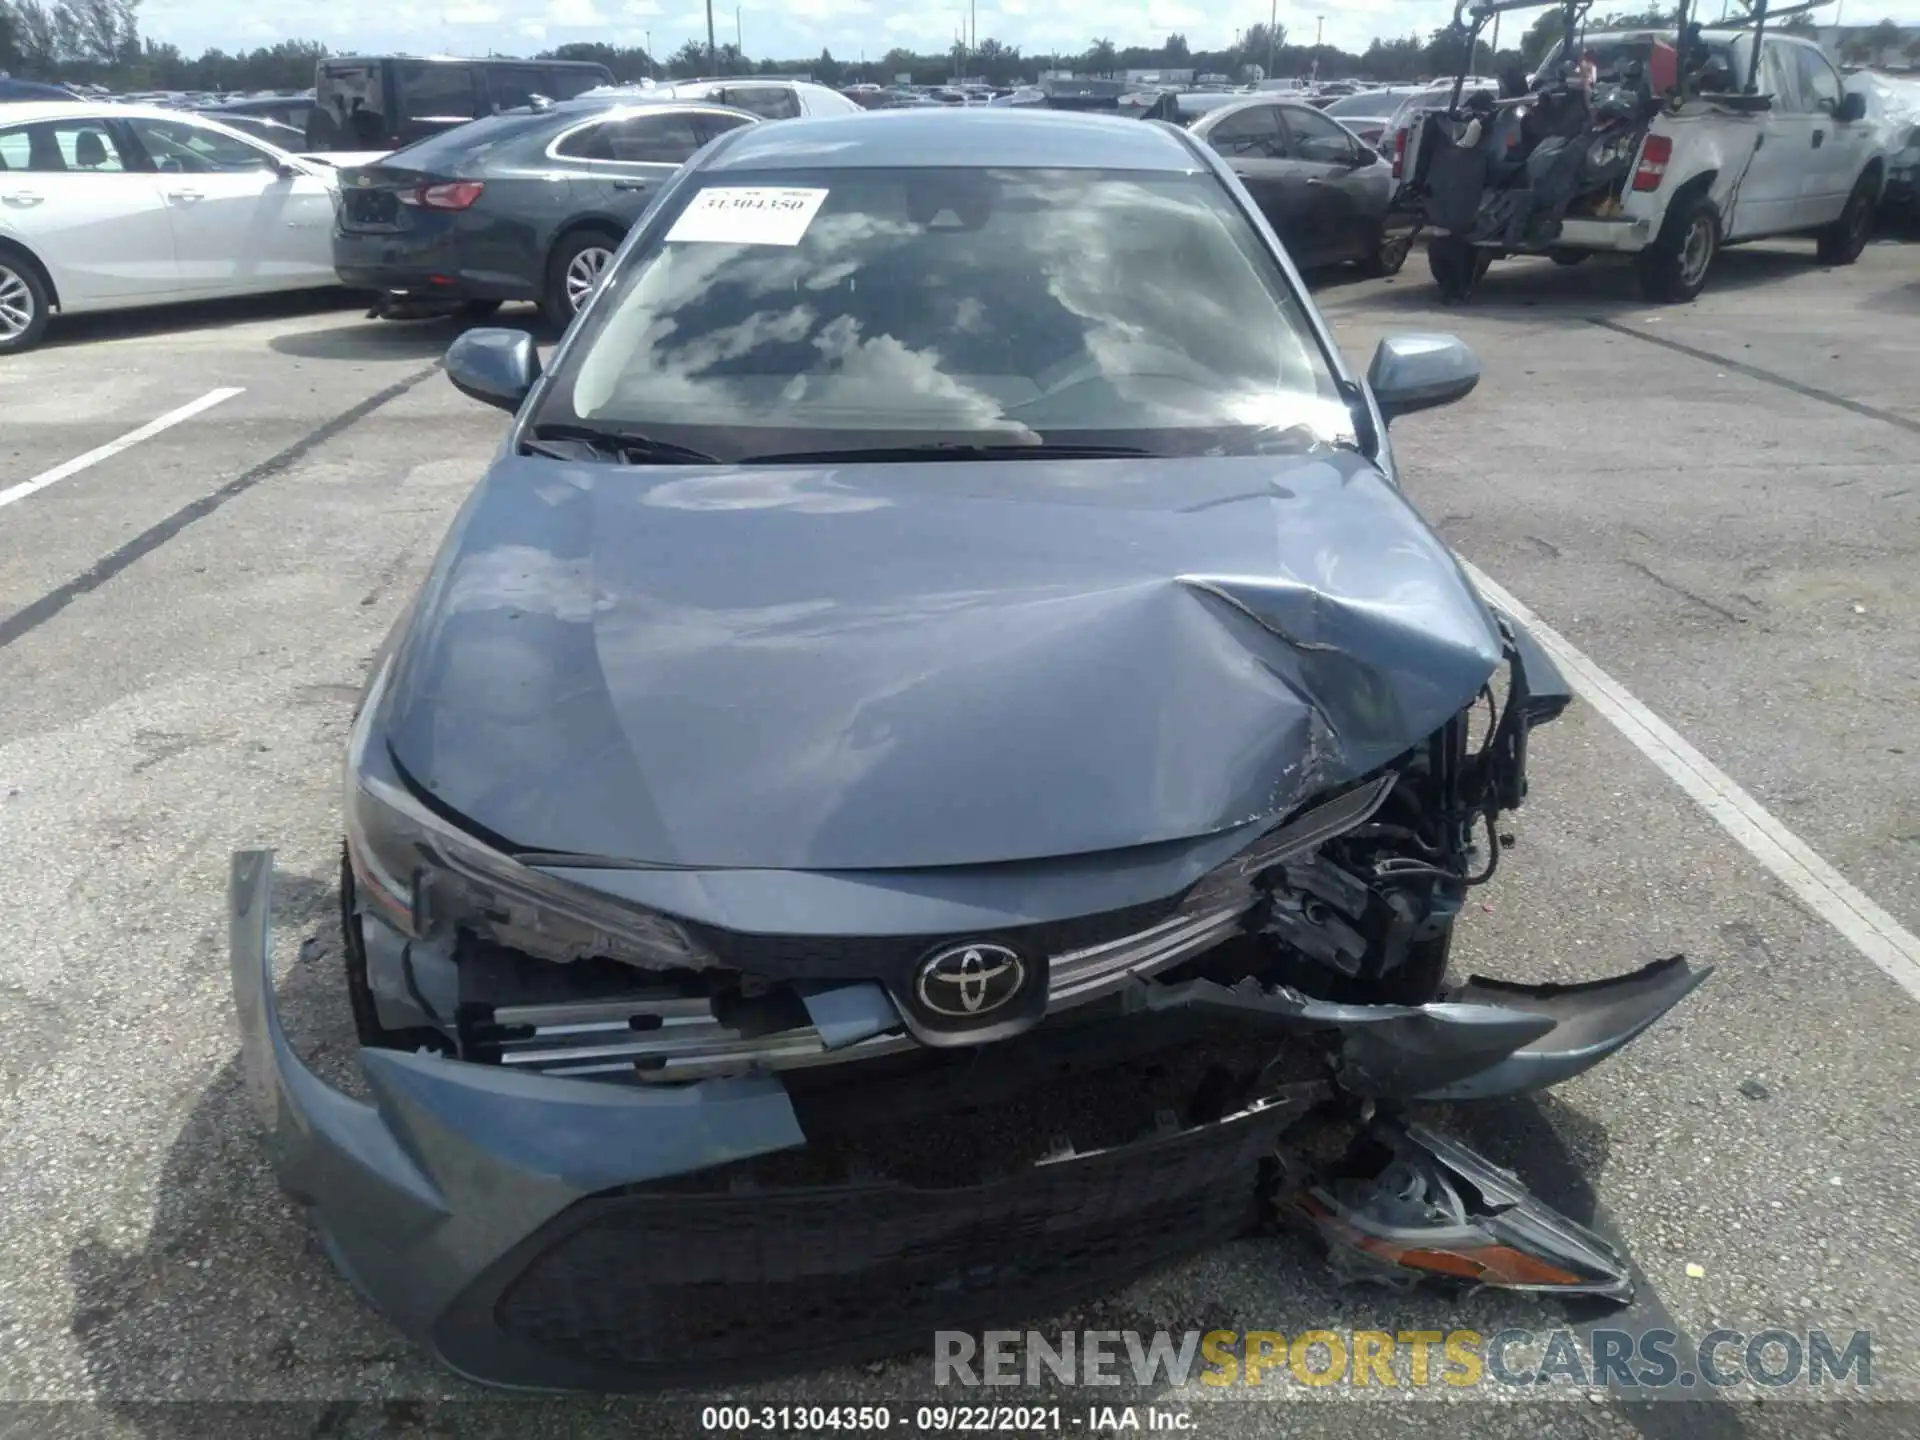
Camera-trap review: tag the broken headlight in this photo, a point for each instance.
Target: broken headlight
(423, 875)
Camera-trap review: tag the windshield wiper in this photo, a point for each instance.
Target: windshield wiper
(567, 442)
(951, 450)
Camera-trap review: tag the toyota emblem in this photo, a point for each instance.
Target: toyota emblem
(964, 981)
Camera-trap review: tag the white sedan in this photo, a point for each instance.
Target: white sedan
(107, 206)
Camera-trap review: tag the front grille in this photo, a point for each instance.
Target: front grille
(670, 1283)
(885, 957)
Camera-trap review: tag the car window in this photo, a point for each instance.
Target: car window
(1781, 78)
(1191, 107)
(563, 82)
(1820, 87)
(432, 90)
(983, 305)
(178, 148)
(769, 102)
(1361, 104)
(713, 123)
(639, 139)
(511, 86)
(1316, 138)
(1253, 131)
(83, 147)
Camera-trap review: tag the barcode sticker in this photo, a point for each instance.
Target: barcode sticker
(747, 215)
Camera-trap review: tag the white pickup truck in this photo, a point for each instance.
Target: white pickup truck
(1709, 167)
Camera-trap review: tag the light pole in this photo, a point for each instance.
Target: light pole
(1319, 28)
(713, 50)
(1273, 21)
(653, 70)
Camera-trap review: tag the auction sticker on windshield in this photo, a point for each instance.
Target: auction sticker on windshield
(747, 215)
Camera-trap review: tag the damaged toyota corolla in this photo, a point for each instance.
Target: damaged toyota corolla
(934, 756)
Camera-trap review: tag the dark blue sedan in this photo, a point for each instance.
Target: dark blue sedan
(526, 205)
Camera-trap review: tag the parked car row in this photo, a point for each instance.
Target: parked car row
(105, 204)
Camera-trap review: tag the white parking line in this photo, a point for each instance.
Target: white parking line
(114, 447)
(1868, 928)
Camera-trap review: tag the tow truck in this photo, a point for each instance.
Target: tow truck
(1716, 135)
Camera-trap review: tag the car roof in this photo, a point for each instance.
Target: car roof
(977, 137)
(25, 112)
(35, 112)
(1280, 98)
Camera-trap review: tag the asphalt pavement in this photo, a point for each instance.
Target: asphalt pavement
(1716, 504)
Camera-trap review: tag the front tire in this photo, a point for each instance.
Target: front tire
(1567, 257)
(26, 302)
(578, 262)
(1674, 268)
(1842, 241)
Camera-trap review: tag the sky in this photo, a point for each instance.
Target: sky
(793, 28)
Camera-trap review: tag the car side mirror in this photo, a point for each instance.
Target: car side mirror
(1363, 157)
(496, 366)
(1853, 107)
(1419, 372)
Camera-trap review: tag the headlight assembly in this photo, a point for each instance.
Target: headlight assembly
(424, 876)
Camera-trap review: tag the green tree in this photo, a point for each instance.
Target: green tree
(1654, 17)
(996, 63)
(688, 61)
(1100, 59)
(1175, 50)
(37, 38)
(1542, 35)
(1883, 40)
(826, 69)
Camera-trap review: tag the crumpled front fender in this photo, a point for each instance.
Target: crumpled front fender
(1484, 1040)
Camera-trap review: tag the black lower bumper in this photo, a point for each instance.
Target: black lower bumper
(438, 265)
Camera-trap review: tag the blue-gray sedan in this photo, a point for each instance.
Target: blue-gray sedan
(934, 745)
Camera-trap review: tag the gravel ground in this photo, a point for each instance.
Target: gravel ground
(1715, 502)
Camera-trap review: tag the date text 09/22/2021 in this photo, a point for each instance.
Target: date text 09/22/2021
(948, 1419)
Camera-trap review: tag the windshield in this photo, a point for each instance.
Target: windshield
(871, 308)
(1613, 53)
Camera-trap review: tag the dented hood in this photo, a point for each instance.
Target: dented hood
(890, 666)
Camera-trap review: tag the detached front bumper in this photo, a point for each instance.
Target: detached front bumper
(545, 1233)
(541, 1232)
(439, 264)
